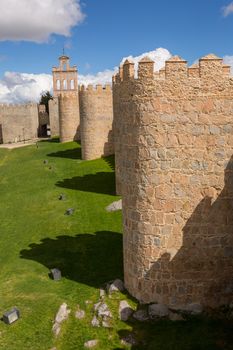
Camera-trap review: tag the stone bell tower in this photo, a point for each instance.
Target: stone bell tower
(65, 89)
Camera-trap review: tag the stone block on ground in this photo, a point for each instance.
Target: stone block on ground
(158, 310)
(141, 315)
(116, 286)
(62, 315)
(117, 205)
(125, 310)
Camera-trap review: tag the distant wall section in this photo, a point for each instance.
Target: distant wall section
(18, 122)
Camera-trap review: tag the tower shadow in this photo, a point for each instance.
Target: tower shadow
(91, 259)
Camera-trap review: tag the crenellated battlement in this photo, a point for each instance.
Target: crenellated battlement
(208, 67)
(95, 88)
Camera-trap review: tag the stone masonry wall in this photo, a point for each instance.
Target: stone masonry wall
(19, 122)
(96, 114)
(69, 119)
(54, 117)
(174, 163)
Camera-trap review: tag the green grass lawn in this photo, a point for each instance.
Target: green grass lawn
(36, 236)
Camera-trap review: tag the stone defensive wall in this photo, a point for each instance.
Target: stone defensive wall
(174, 164)
(69, 117)
(18, 122)
(96, 115)
(54, 116)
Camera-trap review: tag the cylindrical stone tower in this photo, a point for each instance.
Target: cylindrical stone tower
(96, 114)
(174, 165)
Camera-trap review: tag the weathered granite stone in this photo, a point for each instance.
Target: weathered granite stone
(129, 339)
(91, 343)
(95, 322)
(61, 316)
(117, 205)
(69, 211)
(102, 293)
(125, 310)
(103, 310)
(79, 314)
(175, 317)
(158, 310)
(116, 286)
(141, 315)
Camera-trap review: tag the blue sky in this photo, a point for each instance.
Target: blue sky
(97, 34)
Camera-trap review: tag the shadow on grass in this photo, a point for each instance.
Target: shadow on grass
(91, 259)
(110, 161)
(74, 153)
(102, 182)
(196, 333)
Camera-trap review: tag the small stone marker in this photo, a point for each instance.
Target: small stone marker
(62, 197)
(69, 211)
(56, 274)
(11, 316)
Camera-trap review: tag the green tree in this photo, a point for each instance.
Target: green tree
(44, 99)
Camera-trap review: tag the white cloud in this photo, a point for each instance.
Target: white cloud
(37, 20)
(104, 77)
(227, 10)
(159, 56)
(23, 87)
(229, 60)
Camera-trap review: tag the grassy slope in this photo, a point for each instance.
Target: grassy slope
(35, 236)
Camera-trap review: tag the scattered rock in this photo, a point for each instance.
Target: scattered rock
(129, 340)
(106, 322)
(194, 308)
(46, 161)
(117, 205)
(102, 310)
(69, 211)
(95, 322)
(175, 317)
(116, 286)
(102, 293)
(79, 314)
(158, 310)
(141, 315)
(91, 343)
(62, 315)
(62, 197)
(125, 310)
(56, 329)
